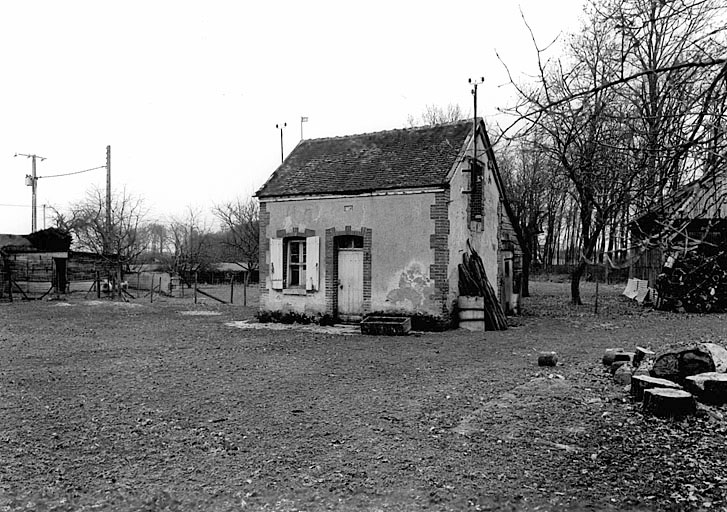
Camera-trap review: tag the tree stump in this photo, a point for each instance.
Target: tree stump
(709, 387)
(680, 363)
(547, 359)
(640, 383)
(669, 403)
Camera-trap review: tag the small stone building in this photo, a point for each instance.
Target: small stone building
(378, 223)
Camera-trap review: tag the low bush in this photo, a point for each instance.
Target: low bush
(291, 317)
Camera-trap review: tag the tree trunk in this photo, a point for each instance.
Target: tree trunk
(575, 283)
(525, 283)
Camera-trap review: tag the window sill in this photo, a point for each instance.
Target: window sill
(294, 291)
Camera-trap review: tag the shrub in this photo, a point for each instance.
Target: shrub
(291, 317)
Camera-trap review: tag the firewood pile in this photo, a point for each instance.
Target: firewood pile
(473, 282)
(694, 282)
(673, 383)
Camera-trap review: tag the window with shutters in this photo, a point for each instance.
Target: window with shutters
(294, 263)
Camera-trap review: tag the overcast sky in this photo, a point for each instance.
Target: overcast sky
(187, 94)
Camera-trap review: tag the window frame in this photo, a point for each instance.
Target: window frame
(288, 243)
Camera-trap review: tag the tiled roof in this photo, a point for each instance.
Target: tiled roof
(407, 158)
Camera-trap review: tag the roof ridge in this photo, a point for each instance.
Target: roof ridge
(392, 130)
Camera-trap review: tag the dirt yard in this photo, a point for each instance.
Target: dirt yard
(164, 406)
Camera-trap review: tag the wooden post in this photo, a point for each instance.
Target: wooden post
(232, 287)
(595, 307)
(244, 287)
(195, 287)
(151, 291)
(98, 285)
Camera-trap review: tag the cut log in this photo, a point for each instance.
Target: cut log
(616, 365)
(678, 364)
(719, 356)
(609, 356)
(547, 359)
(622, 375)
(641, 355)
(640, 383)
(669, 403)
(709, 387)
(645, 367)
(624, 356)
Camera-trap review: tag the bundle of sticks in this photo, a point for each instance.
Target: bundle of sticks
(473, 282)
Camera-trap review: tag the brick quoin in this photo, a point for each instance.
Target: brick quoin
(264, 247)
(439, 242)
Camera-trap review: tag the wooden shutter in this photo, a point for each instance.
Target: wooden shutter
(312, 257)
(276, 263)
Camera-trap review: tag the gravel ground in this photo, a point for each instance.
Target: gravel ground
(170, 406)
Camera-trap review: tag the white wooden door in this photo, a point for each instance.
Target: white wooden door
(350, 284)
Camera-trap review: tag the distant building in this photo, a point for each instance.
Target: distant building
(692, 218)
(33, 265)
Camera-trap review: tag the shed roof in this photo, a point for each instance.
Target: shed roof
(702, 198)
(406, 158)
(14, 241)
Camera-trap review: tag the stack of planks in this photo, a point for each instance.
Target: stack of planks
(473, 282)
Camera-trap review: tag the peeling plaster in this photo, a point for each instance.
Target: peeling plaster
(414, 290)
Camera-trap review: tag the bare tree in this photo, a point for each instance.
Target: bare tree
(627, 110)
(189, 243)
(531, 192)
(240, 221)
(125, 238)
(435, 114)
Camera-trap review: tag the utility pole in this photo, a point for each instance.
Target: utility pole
(281, 126)
(108, 200)
(31, 180)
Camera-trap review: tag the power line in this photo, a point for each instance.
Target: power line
(71, 173)
(17, 205)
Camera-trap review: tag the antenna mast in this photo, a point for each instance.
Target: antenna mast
(475, 83)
